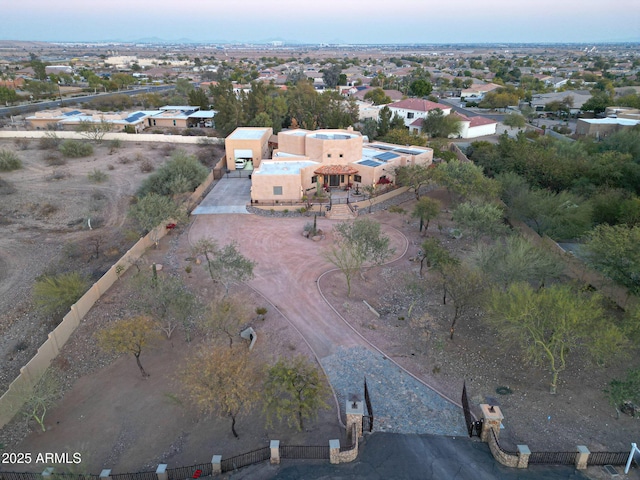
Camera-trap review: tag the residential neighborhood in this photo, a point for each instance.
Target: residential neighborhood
(290, 260)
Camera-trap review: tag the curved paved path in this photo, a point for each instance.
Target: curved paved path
(287, 269)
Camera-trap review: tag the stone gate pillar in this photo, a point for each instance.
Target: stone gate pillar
(492, 418)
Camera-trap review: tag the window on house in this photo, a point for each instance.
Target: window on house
(328, 155)
(314, 179)
(357, 178)
(341, 155)
(174, 123)
(341, 178)
(410, 115)
(277, 190)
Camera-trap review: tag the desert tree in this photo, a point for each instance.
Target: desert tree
(435, 256)
(614, 251)
(222, 381)
(230, 267)
(480, 219)
(54, 294)
(466, 287)
(37, 401)
(225, 316)
(426, 209)
(167, 301)
(414, 176)
(129, 335)
(357, 243)
(94, 131)
(346, 259)
(517, 259)
(552, 323)
(294, 390)
(152, 210)
(465, 180)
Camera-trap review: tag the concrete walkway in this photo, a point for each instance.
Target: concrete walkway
(228, 195)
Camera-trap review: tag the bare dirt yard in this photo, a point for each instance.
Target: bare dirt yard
(120, 421)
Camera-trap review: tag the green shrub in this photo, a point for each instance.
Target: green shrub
(97, 176)
(75, 149)
(9, 161)
(49, 141)
(54, 294)
(183, 173)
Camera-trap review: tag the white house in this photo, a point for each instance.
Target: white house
(413, 109)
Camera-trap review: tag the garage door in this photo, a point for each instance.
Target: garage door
(243, 153)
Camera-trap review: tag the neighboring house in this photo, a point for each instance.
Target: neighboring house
(470, 127)
(478, 126)
(622, 112)
(413, 109)
(477, 91)
(168, 116)
(539, 101)
(306, 162)
(603, 127)
(69, 119)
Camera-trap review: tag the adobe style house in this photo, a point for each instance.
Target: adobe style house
(250, 144)
(306, 162)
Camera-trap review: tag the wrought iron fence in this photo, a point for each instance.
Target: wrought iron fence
(503, 450)
(367, 423)
(473, 427)
(20, 476)
(135, 476)
(194, 471)
(249, 458)
(309, 452)
(552, 458)
(367, 401)
(607, 458)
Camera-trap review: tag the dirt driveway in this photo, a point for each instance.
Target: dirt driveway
(287, 269)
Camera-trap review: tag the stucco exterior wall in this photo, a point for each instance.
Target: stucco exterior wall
(292, 142)
(258, 146)
(334, 152)
(263, 188)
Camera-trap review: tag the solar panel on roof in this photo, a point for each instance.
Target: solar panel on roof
(407, 151)
(386, 156)
(370, 163)
(135, 117)
(72, 113)
(382, 147)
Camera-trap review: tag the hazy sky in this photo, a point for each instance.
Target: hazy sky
(323, 21)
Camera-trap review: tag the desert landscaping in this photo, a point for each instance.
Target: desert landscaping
(56, 217)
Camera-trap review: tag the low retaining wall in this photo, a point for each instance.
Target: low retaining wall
(126, 137)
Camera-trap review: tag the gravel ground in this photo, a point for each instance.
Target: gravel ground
(400, 403)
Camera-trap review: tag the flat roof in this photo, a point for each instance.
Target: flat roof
(333, 136)
(248, 133)
(271, 167)
(611, 121)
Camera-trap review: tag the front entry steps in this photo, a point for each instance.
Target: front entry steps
(340, 212)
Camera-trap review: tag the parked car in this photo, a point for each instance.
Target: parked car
(240, 163)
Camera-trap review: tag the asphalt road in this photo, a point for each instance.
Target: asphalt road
(36, 107)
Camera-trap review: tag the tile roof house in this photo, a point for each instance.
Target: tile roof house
(306, 162)
(412, 109)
